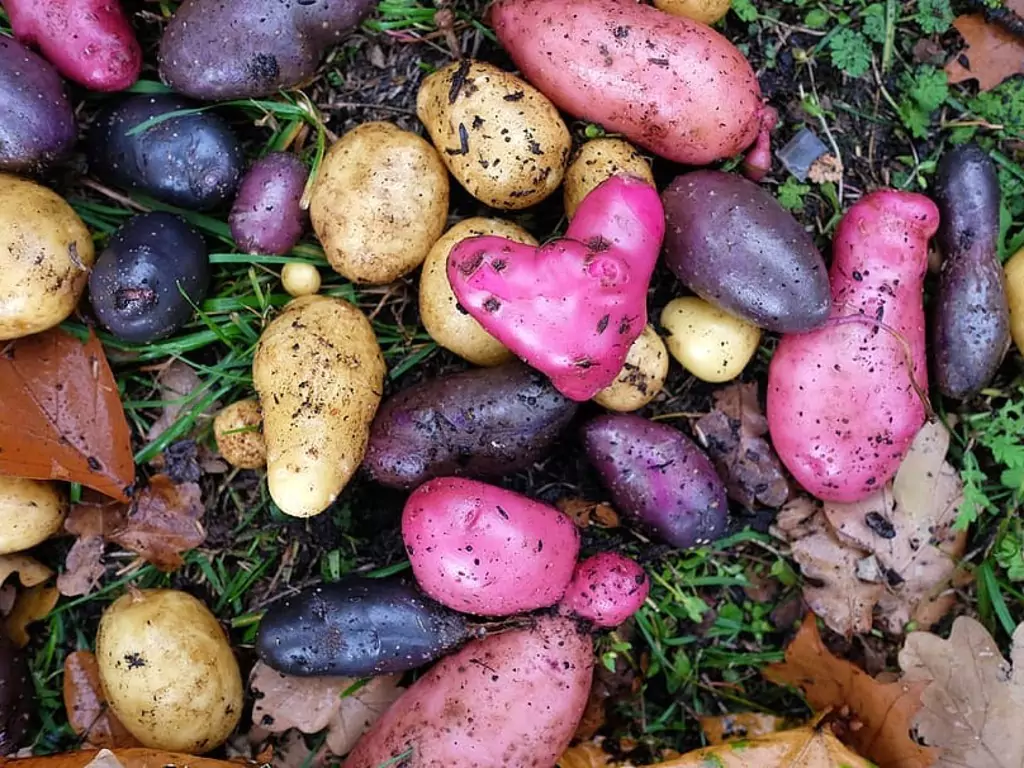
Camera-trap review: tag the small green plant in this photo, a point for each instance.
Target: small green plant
(850, 52)
(1001, 433)
(933, 16)
(924, 91)
(791, 194)
(745, 10)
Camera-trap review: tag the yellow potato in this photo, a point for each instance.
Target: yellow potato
(45, 257)
(450, 327)
(642, 376)
(597, 161)
(300, 279)
(711, 344)
(704, 11)
(319, 374)
(1014, 269)
(379, 202)
(501, 138)
(31, 511)
(168, 671)
(238, 429)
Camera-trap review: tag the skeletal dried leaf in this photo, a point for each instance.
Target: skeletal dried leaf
(86, 705)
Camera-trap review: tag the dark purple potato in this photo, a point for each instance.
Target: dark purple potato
(485, 422)
(193, 161)
(134, 286)
(732, 244)
(267, 216)
(230, 49)
(37, 124)
(970, 330)
(658, 477)
(17, 696)
(359, 627)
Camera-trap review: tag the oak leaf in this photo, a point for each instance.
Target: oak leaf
(86, 705)
(973, 698)
(61, 416)
(992, 54)
(31, 605)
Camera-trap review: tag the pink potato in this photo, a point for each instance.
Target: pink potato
(846, 400)
(511, 699)
(606, 589)
(481, 549)
(573, 307)
(670, 84)
(88, 41)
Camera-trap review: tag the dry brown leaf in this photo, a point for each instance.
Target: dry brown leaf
(312, 704)
(32, 605)
(586, 513)
(882, 711)
(83, 567)
(806, 747)
(86, 705)
(177, 382)
(30, 571)
(973, 704)
(740, 725)
(293, 752)
(590, 754)
(992, 54)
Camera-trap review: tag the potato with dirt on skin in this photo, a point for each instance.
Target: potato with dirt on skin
(449, 325)
(237, 429)
(642, 377)
(596, 161)
(501, 138)
(704, 11)
(711, 344)
(46, 253)
(31, 511)
(168, 671)
(1014, 271)
(319, 374)
(379, 202)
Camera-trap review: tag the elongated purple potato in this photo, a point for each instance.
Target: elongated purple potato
(658, 477)
(37, 124)
(267, 216)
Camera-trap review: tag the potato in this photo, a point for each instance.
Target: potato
(267, 215)
(596, 161)
(642, 375)
(45, 256)
(31, 511)
(606, 589)
(168, 671)
(1014, 270)
(319, 374)
(300, 279)
(711, 344)
(238, 429)
(17, 696)
(379, 202)
(704, 11)
(450, 326)
(499, 136)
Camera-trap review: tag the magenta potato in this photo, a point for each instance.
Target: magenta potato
(658, 477)
(731, 243)
(606, 589)
(484, 422)
(267, 216)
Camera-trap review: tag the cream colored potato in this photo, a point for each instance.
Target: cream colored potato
(1014, 269)
(319, 374)
(642, 376)
(501, 138)
(238, 430)
(451, 327)
(597, 161)
(46, 253)
(380, 200)
(300, 279)
(31, 511)
(168, 671)
(712, 345)
(704, 11)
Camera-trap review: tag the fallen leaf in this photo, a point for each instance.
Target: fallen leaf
(882, 712)
(177, 382)
(293, 752)
(312, 704)
(733, 434)
(992, 54)
(740, 725)
(973, 700)
(61, 416)
(83, 567)
(590, 754)
(30, 571)
(33, 604)
(586, 513)
(608, 687)
(86, 705)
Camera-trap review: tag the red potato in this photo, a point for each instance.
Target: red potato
(102, 53)
(512, 699)
(846, 400)
(606, 589)
(670, 84)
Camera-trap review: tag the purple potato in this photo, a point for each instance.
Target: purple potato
(732, 244)
(37, 124)
(480, 423)
(17, 696)
(267, 216)
(228, 49)
(658, 477)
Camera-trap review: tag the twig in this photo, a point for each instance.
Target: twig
(364, 105)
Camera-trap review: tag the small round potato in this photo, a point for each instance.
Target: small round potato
(711, 344)
(168, 671)
(501, 138)
(300, 279)
(642, 376)
(31, 511)
(597, 161)
(379, 202)
(238, 429)
(448, 325)
(704, 11)
(46, 253)
(1015, 297)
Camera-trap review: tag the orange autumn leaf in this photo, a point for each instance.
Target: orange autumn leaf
(586, 513)
(61, 416)
(86, 705)
(739, 725)
(992, 53)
